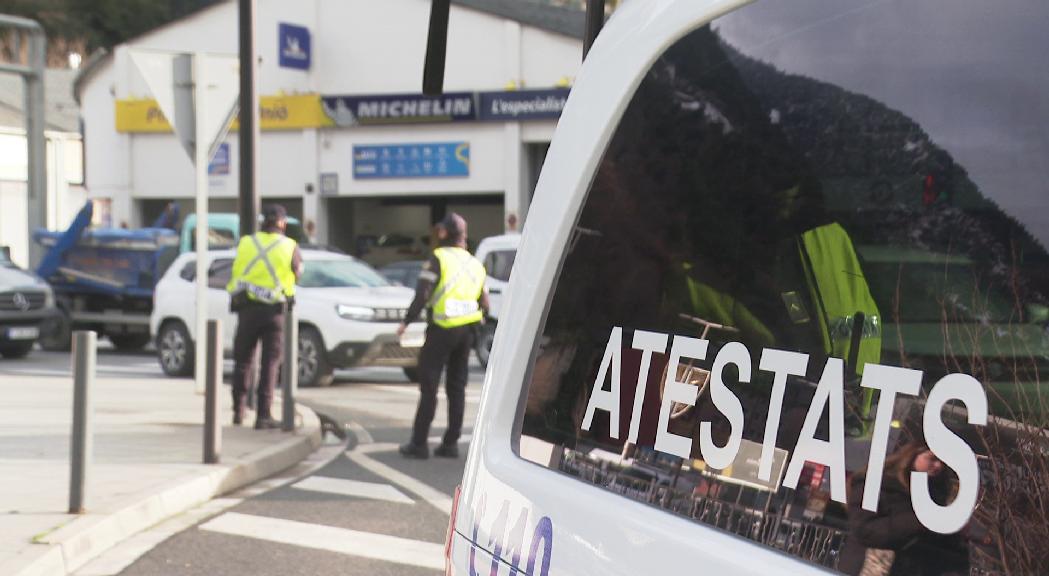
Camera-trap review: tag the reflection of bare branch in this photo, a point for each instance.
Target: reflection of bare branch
(1014, 503)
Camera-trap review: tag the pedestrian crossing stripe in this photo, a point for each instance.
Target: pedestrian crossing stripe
(331, 539)
(344, 487)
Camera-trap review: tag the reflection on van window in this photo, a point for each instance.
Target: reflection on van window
(824, 193)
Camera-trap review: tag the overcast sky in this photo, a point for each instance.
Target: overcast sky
(973, 73)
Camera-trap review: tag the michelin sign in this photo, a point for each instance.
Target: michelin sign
(399, 109)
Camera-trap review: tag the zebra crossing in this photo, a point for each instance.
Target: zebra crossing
(356, 482)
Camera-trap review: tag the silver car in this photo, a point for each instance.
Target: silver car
(25, 302)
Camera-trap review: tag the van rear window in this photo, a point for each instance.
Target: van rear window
(807, 297)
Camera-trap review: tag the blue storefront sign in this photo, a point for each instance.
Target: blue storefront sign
(400, 108)
(219, 164)
(523, 104)
(436, 160)
(293, 45)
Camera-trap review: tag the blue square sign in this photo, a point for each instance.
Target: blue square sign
(293, 44)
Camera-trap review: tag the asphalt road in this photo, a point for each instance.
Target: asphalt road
(361, 510)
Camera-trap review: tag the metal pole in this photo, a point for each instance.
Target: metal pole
(212, 429)
(84, 356)
(595, 20)
(34, 107)
(249, 114)
(200, 166)
(436, 48)
(290, 370)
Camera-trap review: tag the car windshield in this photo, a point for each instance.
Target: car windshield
(340, 274)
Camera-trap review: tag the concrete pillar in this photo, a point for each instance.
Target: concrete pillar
(312, 202)
(515, 200)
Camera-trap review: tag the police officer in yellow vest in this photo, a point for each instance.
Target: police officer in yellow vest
(261, 288)
(451, 286)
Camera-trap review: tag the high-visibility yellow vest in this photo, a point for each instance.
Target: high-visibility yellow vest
(454, 299)
(839, 290)
(261, 272)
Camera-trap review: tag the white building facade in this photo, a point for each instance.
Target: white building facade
(348, 142)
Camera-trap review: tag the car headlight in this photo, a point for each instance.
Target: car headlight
(360, 313)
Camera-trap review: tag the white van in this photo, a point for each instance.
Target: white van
(497, 253)
(693, 372)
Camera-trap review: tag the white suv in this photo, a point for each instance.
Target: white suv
(348, 315)
(780, 304)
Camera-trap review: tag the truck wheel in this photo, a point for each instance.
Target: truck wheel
(483, 346)
(175, 350)
(56, 332)
(19, 350)
(129, 341)
(411, 373)
(314, 369)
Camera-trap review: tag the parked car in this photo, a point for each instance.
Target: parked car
(497, 253)
(348, 315)
(404, 273)
(25, 302)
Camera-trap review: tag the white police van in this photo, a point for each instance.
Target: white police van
(780, 304)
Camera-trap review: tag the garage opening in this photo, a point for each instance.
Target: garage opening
(381, 231)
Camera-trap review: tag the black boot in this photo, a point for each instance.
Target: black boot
(266, 423)
(410, 450)
(446, 451)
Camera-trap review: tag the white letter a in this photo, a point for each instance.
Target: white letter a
(607, 400)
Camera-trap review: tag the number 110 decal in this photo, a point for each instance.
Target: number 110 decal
(507, 546)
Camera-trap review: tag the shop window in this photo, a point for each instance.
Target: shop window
(795, 214)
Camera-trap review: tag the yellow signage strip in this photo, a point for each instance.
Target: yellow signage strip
(296, 112)
(141, 116)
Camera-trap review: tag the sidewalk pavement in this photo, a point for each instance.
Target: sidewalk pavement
(148, 449)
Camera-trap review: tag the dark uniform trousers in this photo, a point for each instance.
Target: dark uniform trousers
(444, 347)
(265, 323)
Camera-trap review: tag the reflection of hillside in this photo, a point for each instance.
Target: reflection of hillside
(883, 176)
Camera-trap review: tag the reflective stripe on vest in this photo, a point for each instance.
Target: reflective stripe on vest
(263, 268)
(454, 299)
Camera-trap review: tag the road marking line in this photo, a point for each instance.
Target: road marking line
(341, 486)
(66, 373)
(434, 497)
(341, 540)
(363, 436)
(118, 558)
(311, 464)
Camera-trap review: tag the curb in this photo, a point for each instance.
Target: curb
(73, 545)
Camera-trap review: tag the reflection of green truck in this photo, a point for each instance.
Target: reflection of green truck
(951, 316)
